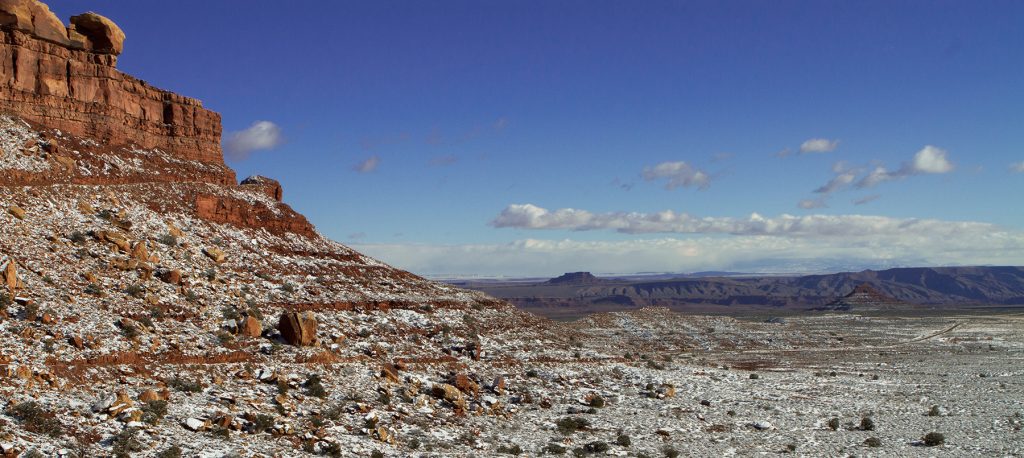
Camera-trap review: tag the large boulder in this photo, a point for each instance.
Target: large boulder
(33, 17)
(104, 36)
(298, 328)
(9, 275)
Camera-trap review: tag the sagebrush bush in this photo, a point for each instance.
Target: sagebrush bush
(933, 439)
(569, 425)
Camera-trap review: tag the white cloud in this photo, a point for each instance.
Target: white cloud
(840, 181)
(679, 174)
(878, 175)
(818, 145)
(261, 135)
(1017, 167)
(931, 160)
(528, 216)
(971, 245)
(808, 204)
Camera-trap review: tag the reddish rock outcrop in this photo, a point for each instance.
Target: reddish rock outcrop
(71, 84)
(266, 185)
(242, 213)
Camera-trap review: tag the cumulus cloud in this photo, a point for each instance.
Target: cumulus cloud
(678, 174)
(818, 145)
(808, 204)
(528, 216)
(261, 135)
(1017, 167)
(367, 165)
(929, 160)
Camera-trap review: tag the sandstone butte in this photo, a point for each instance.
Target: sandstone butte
(64, 80)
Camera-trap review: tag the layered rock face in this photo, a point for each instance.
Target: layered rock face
(65, 78)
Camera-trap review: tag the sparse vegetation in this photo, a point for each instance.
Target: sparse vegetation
(867, 424)
(833, 424)
(873, 442)
(624, 440)
(153, 411)
(670, 452)
(36, 419)
(171, 452)
(125, 444)
(569, 425)
(77, 237)
(314, 386)
(187, 386)
(510, 449)
(168, 239)
(596, 447)
(934, 439)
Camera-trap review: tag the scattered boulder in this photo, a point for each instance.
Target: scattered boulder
(139, 251)
(16, 211)
(216, 254)
(250, 327)
(298, 328)
(172, 276)
(466, 384)
(9, 275)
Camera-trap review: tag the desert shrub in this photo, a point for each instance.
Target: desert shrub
(33, 453)
(230, 313)
(129, 330)
(596, 447)
(934, 412)
(624, 440)
(154, 411)
(224, 337)
(933, 439)
(125, 444)
(555, 449)
(569, 425)
(171, 452)
(597, 401)
(754, 376)
(330, 449)
(93, 289)
(833, 424)
(532, 373)
(220, 432)
(867, 424)
(185, 385)
(288, 288)
(510, 449)
(670, 452)
(263, 422)
(314, 386)
(31, 311)
(135, 290)
(377, 454)
(105, 214)
(168, 239)
(5, 299)
(77, 237)
(873, 442)
(36, 419)
(210, 274)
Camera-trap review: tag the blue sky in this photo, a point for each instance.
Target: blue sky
(444, 137)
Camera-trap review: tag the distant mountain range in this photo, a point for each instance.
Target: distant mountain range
(929, 286)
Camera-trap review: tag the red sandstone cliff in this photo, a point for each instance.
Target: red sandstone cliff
(65, 78)
(68, 116)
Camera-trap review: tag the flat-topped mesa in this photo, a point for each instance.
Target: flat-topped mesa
(64, 77)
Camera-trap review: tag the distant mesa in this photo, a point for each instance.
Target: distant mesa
(575, 278)
(864, 298)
